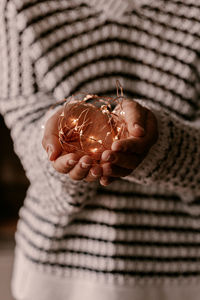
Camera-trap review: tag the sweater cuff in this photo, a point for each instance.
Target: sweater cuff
(146, 170)
(61, 194)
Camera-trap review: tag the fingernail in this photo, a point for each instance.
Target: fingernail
(140, 128)
(49, 151)
(96, 172)
(85, 166)
(104, 181)
(116, 146)
(110, 157)
(72, 162)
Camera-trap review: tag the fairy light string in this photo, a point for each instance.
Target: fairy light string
(89, 125)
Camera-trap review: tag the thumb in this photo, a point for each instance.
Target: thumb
(52, 146)
(135, 117)
(50, 141)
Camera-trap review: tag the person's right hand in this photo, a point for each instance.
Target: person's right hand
(78, 167)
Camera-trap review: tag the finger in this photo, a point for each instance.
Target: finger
(111, 170)
(123, 160)
(135, 117)
(53, 147)
(131, 145)
(136, 144)
(94, 174)
(81, 169)
(64, 163)
(107, 180)
(50, 141)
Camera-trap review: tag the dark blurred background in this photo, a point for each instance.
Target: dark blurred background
(13, 186)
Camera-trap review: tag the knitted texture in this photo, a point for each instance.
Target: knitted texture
(145, 226)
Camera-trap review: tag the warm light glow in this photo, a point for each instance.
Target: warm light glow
(80, 119)
(92, 138)
(104, 109)
(74, 121)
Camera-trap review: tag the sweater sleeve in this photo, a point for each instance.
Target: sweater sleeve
(24, 107)
(174, 161)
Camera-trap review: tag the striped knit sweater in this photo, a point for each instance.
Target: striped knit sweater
(143, 231)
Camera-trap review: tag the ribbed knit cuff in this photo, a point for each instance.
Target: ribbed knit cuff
(146, 170)
(61, 195)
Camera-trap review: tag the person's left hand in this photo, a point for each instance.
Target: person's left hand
(126, 154)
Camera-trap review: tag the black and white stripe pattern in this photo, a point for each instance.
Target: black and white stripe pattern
(50, 49)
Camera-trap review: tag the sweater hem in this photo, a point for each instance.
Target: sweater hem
(29, 282)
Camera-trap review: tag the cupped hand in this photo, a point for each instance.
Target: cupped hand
(126, 154)
(77, 166)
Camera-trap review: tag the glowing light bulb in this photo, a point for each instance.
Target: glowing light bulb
(104, 109)
(92, 138)
(118, 129)
(94, 150)
(100, 141)
(87, 97)
(74, 121)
